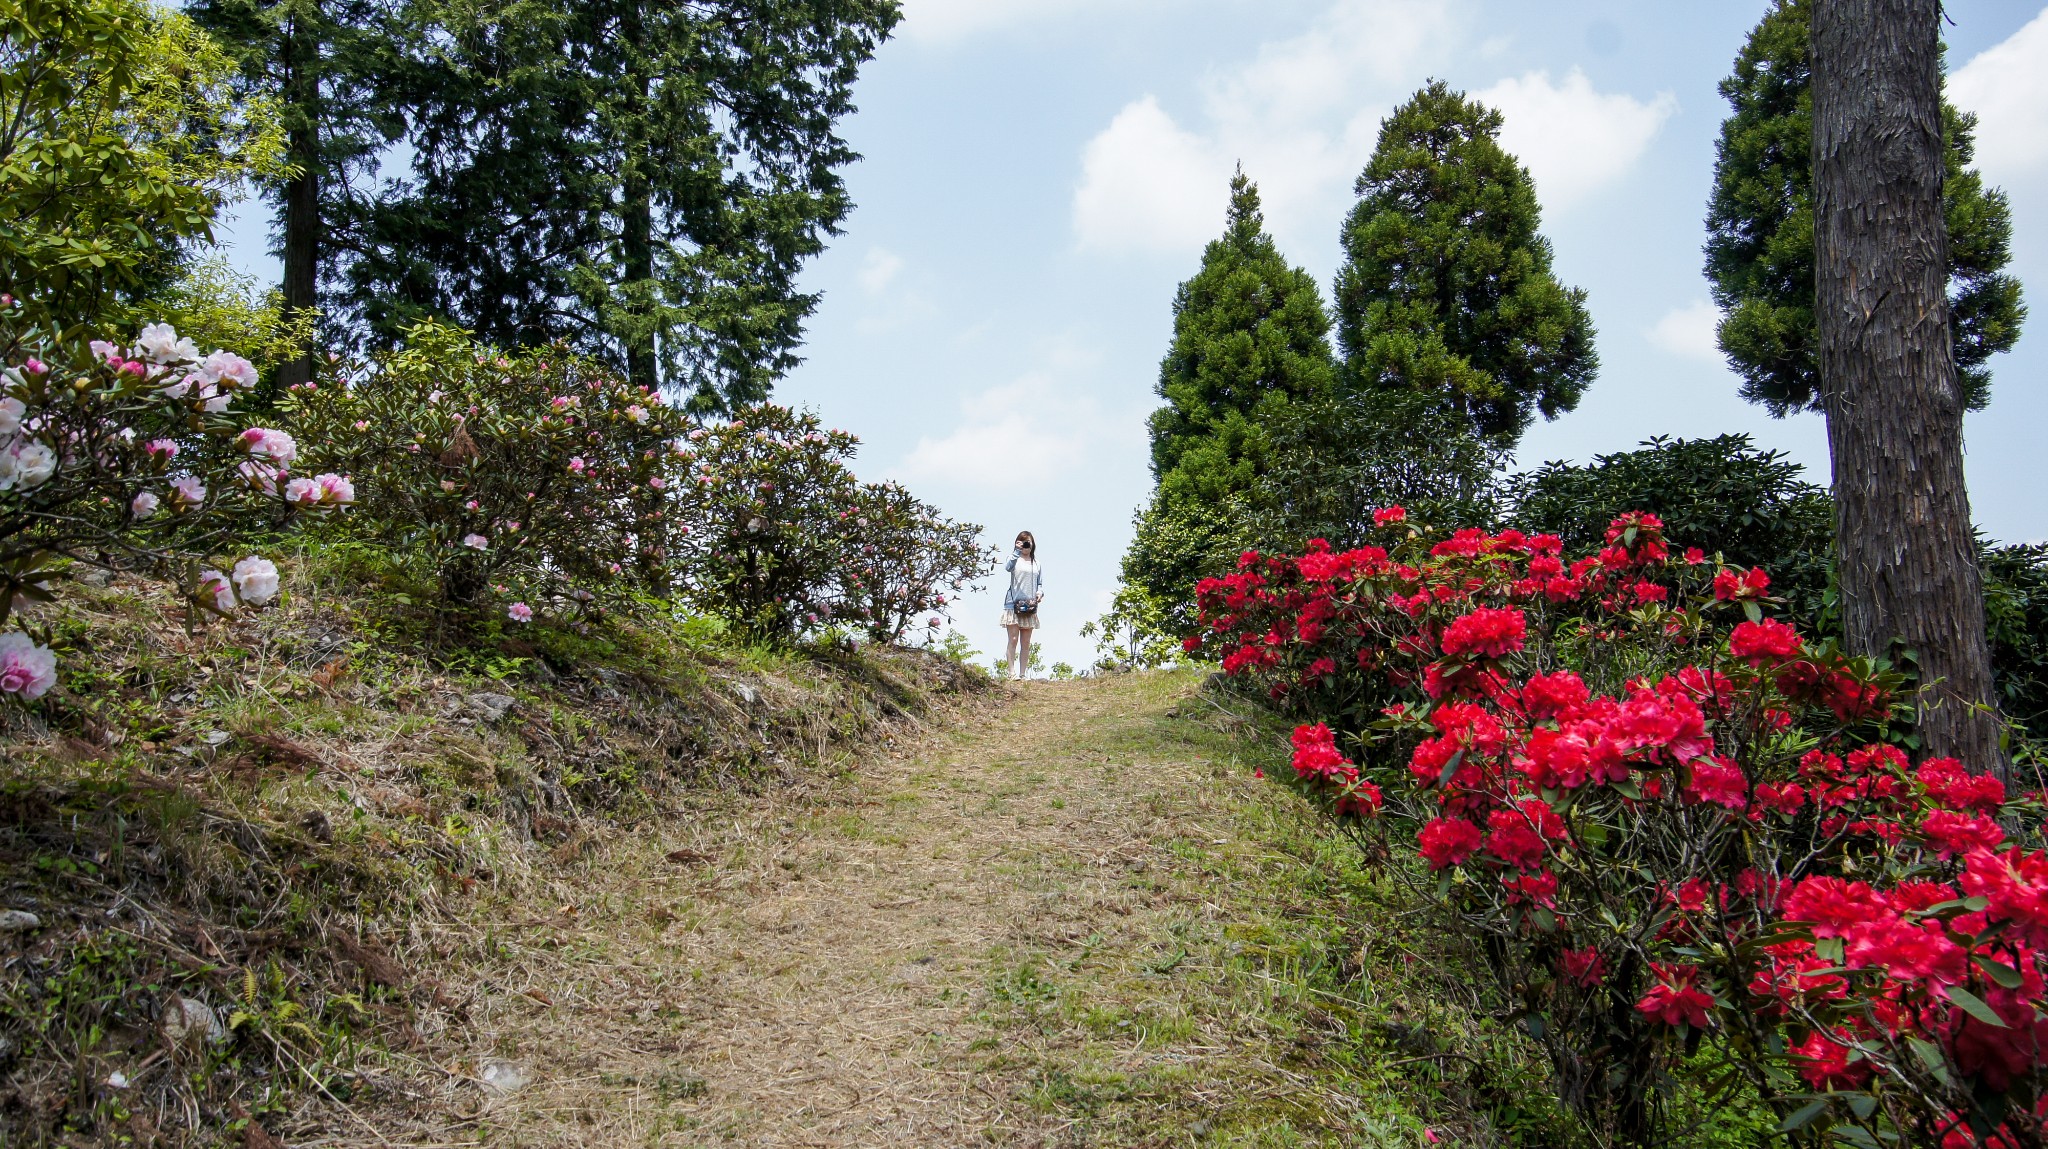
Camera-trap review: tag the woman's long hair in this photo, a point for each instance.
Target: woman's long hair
(1030, 543)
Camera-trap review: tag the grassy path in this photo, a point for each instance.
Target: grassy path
(1071, 919)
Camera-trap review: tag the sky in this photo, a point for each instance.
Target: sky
(1039, 175)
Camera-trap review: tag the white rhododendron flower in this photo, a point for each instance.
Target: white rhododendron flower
(255, 580)
(27, 671)
(143, 506)
(188, 491)
(476, 542)
(302, 492)
(11, 411)
(26, 465)
(229, 370)
(159, 344)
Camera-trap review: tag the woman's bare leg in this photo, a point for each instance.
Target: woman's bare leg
(1023, 651)
(1010, 651)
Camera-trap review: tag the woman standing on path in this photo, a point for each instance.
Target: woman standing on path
(1020, 602)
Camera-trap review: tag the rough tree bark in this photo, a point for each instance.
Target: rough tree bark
(302, 227)
(1894, 410)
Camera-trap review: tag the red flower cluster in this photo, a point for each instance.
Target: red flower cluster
(1702, 828)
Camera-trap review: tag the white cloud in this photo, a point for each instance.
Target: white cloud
(1035, 426)
(879, 270)
(1148, 185)
(2007, 86)
(1689, 331)
(1302, 115)
(1573, 139)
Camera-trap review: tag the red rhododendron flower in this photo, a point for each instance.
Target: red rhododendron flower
(1676, 999)
(1824, 1061)
(1387, 516)
(1490, 632)
(1783, 797)
(1956, 788)
(1910, 953)
(1447, 841)
(1518, 835)
(1316, 755)
(1950, 833)
(1690, 897)
(1730, 585)
(1761, 642)
(1718, 782)
(1585, 966)
(1833, 905)
(2015, 884)
(1539, 888)
(1694, 556)
(1551, 695)
(1639, 538)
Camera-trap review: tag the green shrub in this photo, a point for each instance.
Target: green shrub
(1755, 506)
(535, 479)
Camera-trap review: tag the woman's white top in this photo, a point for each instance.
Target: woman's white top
(1026, 581)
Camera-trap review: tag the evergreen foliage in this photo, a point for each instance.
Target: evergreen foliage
(1755, 506)
(1446, 286)
(122, 141)
(644, 181)
(1250, 339)
(1250, 343)
(1760, 229)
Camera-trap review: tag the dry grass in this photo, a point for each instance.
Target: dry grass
(1075, 920)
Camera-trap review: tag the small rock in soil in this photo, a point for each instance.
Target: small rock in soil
(14, 921)
(490, 707)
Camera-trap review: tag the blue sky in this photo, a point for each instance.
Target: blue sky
(1040, 174)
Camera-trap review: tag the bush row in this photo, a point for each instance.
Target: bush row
(518, 486)
(1687, 837)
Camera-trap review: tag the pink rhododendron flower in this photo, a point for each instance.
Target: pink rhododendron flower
(476, 542)
(216, 584)
(302, 492)
(161, 450)
(336, 490)
(188, 491)
(519, 612)
(143, 505)
(27, 671)
(271, 444)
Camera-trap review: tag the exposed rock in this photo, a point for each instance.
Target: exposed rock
(488, 706)
(15, 921)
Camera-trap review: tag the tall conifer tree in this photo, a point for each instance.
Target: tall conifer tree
(1760, 228)
(1250, 336)
(1446, 286)
(1250, 344)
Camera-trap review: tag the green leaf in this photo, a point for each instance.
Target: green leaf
(1451, 768)
(1930, 1056)
(2000, 972)
(1753, 611)
(1804, 1116)
(1856, 1134)
(1975, 1007)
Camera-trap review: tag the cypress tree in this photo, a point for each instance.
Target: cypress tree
(1760, 229)
(1446, 286)
(1250, 343)
(1250, 336)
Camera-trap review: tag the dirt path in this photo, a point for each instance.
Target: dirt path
(1064, 921)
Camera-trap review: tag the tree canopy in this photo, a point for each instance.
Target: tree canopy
(1446, 286)
(1760, 229)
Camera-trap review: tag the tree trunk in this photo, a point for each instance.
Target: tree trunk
(1894, 409)
(301, 284)
(637, 219)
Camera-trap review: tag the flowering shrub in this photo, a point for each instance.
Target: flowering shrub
(786, 540)
(534, 477)
(131, 457)
(1677, 828)
(902, 562)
